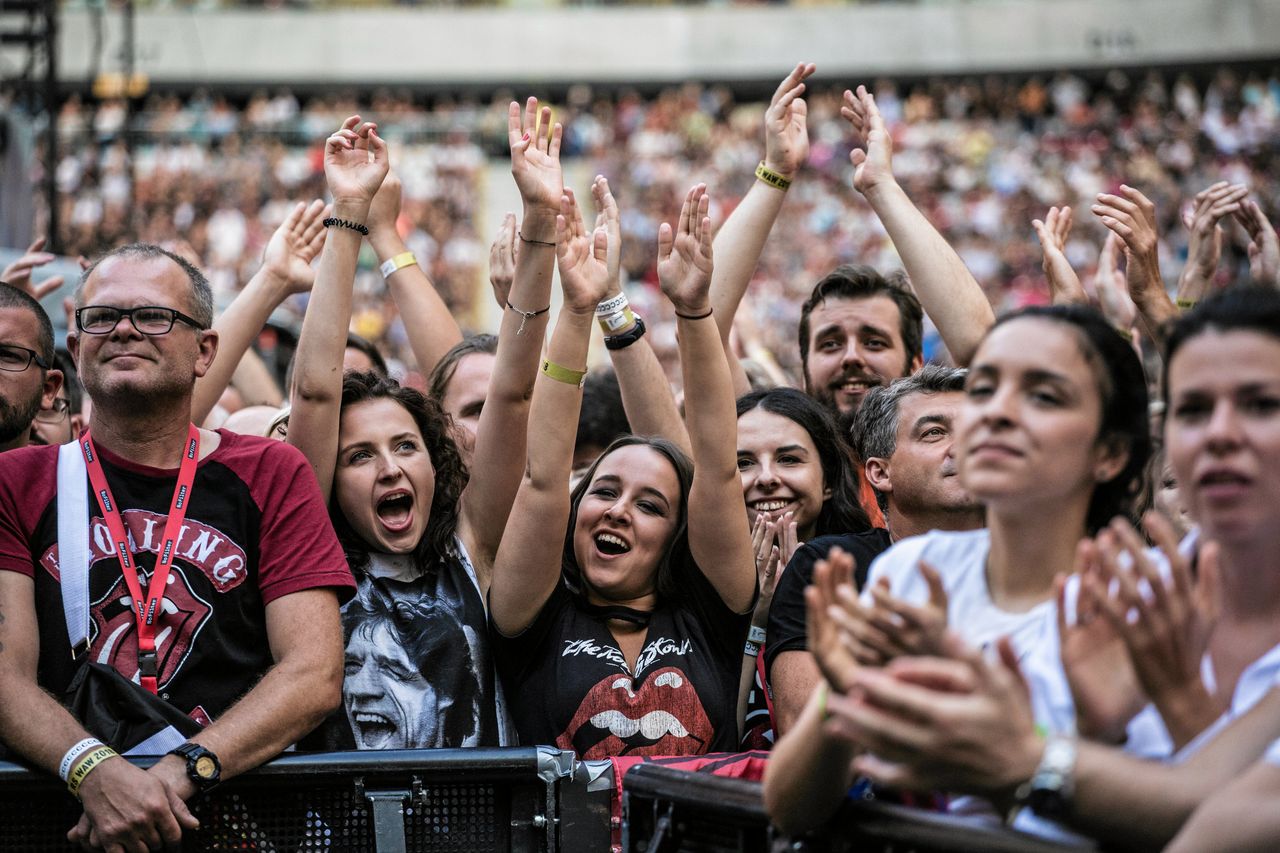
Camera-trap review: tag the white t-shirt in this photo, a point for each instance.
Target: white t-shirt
(1273, 754)
(1257, 679)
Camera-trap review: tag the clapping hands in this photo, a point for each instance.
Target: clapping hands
(684, 255)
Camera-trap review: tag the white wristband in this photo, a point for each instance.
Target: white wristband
(75, 752)
(612, 306)
(756, 634)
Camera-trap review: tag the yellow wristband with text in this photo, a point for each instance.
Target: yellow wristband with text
(563, 374)
(86, 765)
(398, 262)
(1186, 304)
(771, 177)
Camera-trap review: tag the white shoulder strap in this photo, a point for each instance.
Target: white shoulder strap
(73, 544)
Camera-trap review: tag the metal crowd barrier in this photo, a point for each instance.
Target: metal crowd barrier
(673, 811)
(527, 800)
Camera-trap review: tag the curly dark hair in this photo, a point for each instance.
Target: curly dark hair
(842, 512)
(678, 561)
(1122, 386)
(450, 471)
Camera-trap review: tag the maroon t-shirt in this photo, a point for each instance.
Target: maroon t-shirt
(256, 529)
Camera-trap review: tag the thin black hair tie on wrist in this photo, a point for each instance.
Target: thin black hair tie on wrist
(694, 316)
(525, 316)
(535, 242)
(333, 221)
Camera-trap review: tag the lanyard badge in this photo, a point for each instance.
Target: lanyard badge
(145, 606)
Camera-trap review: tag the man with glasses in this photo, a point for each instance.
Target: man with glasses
(225, 537)
(29, 382)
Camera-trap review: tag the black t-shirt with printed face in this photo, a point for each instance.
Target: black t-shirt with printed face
(569, 685)
(256, 530)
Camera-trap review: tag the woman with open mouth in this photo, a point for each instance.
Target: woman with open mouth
(623, 635)
(419, 531)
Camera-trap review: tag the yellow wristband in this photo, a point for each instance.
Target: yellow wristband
(823, 713)
(771, 177)
(398, 262)
(86, 765)
(611, 323)
(563, 374)
(1186, 304)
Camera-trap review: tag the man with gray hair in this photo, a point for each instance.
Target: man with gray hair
(904, 433)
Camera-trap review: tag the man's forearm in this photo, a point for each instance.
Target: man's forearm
(35, 725)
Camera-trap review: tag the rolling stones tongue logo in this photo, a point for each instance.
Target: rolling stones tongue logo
(115, 629)
(663, 716)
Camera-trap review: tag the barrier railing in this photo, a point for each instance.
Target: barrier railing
(525, 800)
(463, 800)
(666, 810)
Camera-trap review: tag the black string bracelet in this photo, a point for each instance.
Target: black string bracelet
(694, 316)
(345, 223)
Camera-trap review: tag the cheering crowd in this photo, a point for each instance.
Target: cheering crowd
(1030, 586)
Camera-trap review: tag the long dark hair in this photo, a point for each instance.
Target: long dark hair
(450, 471)
(842, 512)
(1122, 388)
(678, 560)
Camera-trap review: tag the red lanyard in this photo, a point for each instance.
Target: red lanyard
(145, 609)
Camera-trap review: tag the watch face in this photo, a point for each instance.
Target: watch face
(206, 767)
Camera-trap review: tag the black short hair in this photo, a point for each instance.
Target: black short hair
(850, 281)
(201, 293)
(367, 347)
(12, 297)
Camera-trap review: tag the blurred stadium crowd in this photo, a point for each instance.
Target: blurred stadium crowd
(981, 156)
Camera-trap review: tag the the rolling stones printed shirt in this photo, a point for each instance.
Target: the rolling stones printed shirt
(419, 673)
(569, 685)
(256, 529)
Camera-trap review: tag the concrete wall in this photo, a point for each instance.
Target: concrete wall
(450, 47)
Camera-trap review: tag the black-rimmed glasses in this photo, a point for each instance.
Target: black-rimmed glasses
(147, 319)
(16, 359)
(55, 415)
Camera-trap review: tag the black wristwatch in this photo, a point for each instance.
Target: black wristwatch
(203, 767)
(627, 338)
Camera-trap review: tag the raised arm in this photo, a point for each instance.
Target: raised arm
(1131, 216)
(355, 162)
(948, 292)
(646, 393)
(719, 536)
(527, 567)
(498, 461)
(427, 320)
(1204, 247)
(742, 237)
(1064, 285)
(1264, 245)
(286, 269)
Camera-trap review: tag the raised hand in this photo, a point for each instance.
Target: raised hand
(610, 220)
(911, 629)
(1111, 287)
(874, 166)
(684, 255)
(768, 559)
(786, 130)
(836, 663)
(355, 162)
(582, 257)
(502, 259)
(1132, 217)
(18, 273)
(1064, 284)
(535, 157)
(294, 245)
(1165, 624)
(1104, 686)
(1204, 249)
(1264, 246)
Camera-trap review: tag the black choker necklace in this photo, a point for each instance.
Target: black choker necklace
(619, 612)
